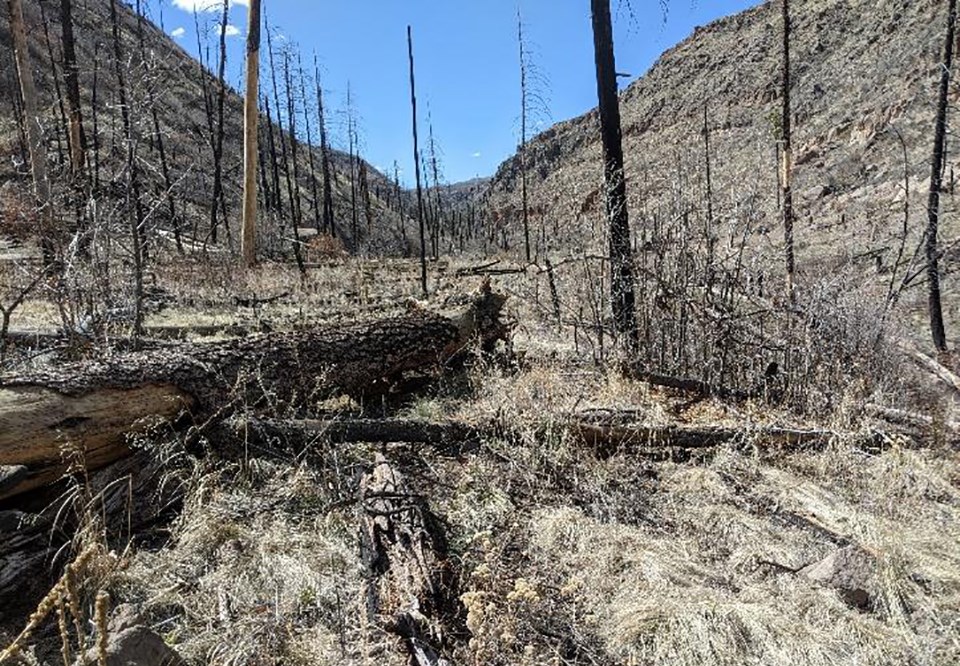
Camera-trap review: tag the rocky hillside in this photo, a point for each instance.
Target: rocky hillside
(161, 74)
(865, 74)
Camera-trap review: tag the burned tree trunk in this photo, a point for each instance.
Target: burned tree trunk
(132, 181)
(78, 142)
(324, 156)
(786, 184)
(416, 166)
(34, 131)
(251, 127)
(90, 408)
(936, 183)
(217, 197)
(622, 297)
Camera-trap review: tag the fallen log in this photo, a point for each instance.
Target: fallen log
(944, 374)
(84, 413)
(913, 423)
(410, 588)
(457, 436)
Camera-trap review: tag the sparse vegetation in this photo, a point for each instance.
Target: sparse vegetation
(642, 451)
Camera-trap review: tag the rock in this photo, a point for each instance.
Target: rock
(125, 616)
(849, 570)
(11, 475)
(136, 646)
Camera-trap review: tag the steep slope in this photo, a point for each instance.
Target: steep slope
(865, 71)
(163, 75)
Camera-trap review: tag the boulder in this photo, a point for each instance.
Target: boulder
(851, 571)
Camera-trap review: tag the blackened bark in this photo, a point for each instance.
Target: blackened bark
(787, 155)
(328, 221)
(936, 183)
(622, 297)
(416, 163)
(78, 139)
(217, 201)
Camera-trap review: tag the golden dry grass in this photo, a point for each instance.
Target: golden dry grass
(563, 558)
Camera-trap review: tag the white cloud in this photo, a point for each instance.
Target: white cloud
(177, 33)
(475, 155)
(206, 5)
(232, 30)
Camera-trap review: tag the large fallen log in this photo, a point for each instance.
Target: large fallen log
(661, 440)
(84, 413)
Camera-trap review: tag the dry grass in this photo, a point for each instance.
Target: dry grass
(563, 558)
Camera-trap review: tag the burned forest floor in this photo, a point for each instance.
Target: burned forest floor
(559, 511)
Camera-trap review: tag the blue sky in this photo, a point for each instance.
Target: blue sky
(467, 63)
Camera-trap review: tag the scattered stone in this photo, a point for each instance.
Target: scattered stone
(849, 570)
(133, 644)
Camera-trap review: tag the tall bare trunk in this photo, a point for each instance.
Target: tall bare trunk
(523, 136)
(621, 260)
(34, 131)
(217, 197)
(61, 127)
(351, 142)
(71, 73)
(324, 156)
(936, 183)
(295, 191)
(158, 140)
(133, 188)
(416, 163)
(438, 220)
(310, 160)
(786, 182)
(251, 127)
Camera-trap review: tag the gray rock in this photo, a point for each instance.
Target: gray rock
(851, 571)
(11, 476)
(137, 646)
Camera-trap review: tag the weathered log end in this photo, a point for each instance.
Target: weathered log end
(44, 433)
(483, 320)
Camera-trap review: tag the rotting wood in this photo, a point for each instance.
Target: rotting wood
(409, 589)
(90, 408)
(125, 496)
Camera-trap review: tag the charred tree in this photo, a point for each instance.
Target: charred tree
(522, 152)
(295, 184)
(274, 162)
(61, 127)
(251, 128)
(622, 297)
(416, 166)
(438, 218)
(34, 131)
(351, 146)
(328, 222)
(786, 178)
(936, 184)
(158, 141)
(217, 198)
(310, 160)
(132, 203)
